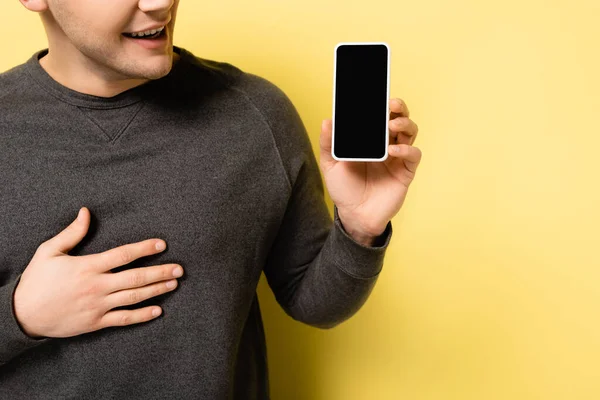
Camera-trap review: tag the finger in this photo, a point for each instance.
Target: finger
(133, 296)
(403, 130)
(113, 258)
(409, 155)
(142, 276)
(325, 142)
(398, 108)
(70, 236)
(128, 317)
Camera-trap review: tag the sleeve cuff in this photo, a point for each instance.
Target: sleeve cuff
(355, 258)
(14, 340)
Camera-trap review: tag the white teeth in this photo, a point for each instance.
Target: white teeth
(147, 33)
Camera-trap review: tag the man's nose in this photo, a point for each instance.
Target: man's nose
(155, 5)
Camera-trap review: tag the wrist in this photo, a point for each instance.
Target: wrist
(357, 233)
(363, 239)
(21, 323)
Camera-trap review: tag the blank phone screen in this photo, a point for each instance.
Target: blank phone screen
(360, 101)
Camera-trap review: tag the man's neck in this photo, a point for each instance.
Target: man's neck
(90, 83)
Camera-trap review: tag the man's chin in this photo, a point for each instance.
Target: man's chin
(158, 74)
(152, 72)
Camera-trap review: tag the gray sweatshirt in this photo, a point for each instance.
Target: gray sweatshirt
(217, 162)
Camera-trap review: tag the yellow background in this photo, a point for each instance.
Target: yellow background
(490, 288)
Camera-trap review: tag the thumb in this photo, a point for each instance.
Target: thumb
(71, 235)
(325, 143)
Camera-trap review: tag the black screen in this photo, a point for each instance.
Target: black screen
(360, 101)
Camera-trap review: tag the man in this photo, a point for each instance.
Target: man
(154, 145)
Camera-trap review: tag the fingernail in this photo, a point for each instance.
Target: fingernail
(161, 245)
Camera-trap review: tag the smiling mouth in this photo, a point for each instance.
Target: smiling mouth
(149, 35)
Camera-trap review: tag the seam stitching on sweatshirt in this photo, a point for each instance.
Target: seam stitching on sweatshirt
(118, 135)
(93, 122)
(287, 179)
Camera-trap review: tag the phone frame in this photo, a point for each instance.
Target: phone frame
(387, 102)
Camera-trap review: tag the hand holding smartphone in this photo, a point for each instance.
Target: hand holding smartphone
(361, 101)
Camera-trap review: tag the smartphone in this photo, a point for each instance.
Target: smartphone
(361, 91)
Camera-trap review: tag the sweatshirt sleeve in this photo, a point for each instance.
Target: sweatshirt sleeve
(319, 274)
(13, 341)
